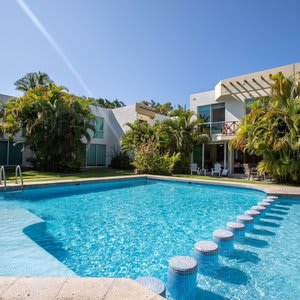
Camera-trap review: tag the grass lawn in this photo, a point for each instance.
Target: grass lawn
(34, 176)
(226, 179)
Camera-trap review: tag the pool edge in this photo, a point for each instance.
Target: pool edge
(277, 190)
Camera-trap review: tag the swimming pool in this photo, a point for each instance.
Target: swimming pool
(132, 228)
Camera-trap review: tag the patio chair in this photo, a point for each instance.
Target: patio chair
(216, 170)
(225, 172)
(194, 169)
(248, 172)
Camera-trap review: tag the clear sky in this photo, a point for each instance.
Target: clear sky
(140, 49)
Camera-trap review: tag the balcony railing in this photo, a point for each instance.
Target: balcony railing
(224, 127)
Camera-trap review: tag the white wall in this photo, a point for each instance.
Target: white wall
(234, 109)
(200, 99)
(112, 131)
(126, 114)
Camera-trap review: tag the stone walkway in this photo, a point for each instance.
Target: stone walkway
(63, 288)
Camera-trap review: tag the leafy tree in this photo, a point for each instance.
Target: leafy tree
(32, 80)
(163, 109)
(272, 130)
(53, 123)
(109, 104)
(138, 133)
(175, 135)
(1, 114)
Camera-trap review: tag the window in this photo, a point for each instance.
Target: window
(96, 155)
(3, 153)
(212, 113)
(11, 154)
(218, 112)
(99, 128)
(204, 112)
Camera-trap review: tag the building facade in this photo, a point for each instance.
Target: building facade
(110, 126)
(222, 110)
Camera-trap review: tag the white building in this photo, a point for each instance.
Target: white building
(223, 108)
(110, 125)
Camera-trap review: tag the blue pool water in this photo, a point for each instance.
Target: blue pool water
(132, 228)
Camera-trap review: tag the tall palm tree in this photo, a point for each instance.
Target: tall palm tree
(32, 80)
(184, 133)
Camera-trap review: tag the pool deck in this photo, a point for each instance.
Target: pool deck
(270, 189)
(63, 288)
(64, 284)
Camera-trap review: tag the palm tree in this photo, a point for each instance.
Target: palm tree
(52, 123)
(184, 133)
(108, 104)
(272, 130)
(139, 133)
(32, 80)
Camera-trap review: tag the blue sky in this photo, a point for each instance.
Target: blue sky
(141, 50)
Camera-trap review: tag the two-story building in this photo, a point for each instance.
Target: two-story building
(222, 110)
(110, 126)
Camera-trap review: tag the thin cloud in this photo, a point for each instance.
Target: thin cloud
(37, 23)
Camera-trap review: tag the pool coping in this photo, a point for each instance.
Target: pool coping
(276, 190)
(106, 288)
(62, 288)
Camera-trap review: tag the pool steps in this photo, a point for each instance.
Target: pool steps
(206, 254)
(182, 277)
(224, 239)
(238, 230)
(182, 270)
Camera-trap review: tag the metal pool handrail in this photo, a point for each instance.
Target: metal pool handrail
(18, 171)
(3, 176)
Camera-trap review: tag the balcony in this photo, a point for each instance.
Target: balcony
(224, 128)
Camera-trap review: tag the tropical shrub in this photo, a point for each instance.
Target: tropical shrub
(121, 160)
(53, 124)
(175, 135)
(148, 160)
(272, 130)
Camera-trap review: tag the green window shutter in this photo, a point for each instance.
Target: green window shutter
(101, 155)
(91, 155)
(15, 154)
(3, 153)
(99, 128)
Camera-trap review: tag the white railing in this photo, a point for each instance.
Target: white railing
(19, 172)
(3, 177)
